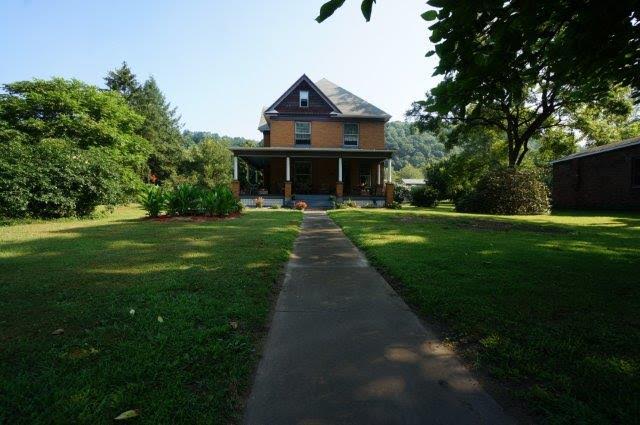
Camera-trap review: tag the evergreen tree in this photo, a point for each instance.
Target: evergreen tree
(161, 124)
(161, 128)
(123, 80)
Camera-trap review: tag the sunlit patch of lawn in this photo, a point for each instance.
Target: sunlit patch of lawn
(160, 317)
(548, 305)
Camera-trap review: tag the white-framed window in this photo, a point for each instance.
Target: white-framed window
(304, 99)
(365, 174)
(351, 134)
(303, 133)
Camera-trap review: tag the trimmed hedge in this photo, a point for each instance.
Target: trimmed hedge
(424, 196)
(507, 192)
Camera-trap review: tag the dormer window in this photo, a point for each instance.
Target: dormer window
(304, 99)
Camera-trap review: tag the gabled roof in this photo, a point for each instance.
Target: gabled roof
(271, 109)
(343, 102)
(348, 103)
(601, 149)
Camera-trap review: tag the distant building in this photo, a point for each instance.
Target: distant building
(605, 177)
(413, 182)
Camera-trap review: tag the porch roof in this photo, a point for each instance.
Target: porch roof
(299, 152)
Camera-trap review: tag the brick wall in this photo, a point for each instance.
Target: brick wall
(600, 181)
(282, 133)
(328, 134)
(267, 139)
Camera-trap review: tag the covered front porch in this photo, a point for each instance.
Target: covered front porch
(280, 175)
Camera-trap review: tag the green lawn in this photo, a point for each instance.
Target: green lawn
(548, 305)
(162, 317)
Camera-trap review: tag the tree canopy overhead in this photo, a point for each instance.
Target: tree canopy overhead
(523, 67)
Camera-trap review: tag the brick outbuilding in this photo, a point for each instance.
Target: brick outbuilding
(605, 177)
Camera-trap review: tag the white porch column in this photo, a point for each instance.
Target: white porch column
(235, 168)
(390, 176)
(288, 167)
(339, 168)
(379, 167)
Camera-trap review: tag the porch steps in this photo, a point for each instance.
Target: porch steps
(315, 201)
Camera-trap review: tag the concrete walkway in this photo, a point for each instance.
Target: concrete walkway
(343, 348)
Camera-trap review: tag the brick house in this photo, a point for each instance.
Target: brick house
(319, 140)
(605, 177)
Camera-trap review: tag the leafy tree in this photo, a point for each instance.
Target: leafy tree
(409, 172)
(66, 147)
(200, 136)
(522, 67)
(599, 126)
(331, 6)
(471, 154)
(553, 144)
(208, 164)
(412, 147)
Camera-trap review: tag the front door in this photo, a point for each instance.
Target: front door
(302, 180)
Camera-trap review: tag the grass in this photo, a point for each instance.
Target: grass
(161, 317)
(548, 305)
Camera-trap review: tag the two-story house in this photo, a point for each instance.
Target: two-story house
(319, 140)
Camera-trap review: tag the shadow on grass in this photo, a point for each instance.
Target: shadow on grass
(160, 317)
(551, 308)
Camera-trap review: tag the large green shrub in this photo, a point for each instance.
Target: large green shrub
(401, 194)
(55, 179)
(456, 174)
(207, 164)
(424, 196)
(507, 191)
(65, 148)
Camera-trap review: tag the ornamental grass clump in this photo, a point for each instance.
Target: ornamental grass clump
(153, 200)
(184, 200)
(189, 200)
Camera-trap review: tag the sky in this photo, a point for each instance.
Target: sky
(220, 61)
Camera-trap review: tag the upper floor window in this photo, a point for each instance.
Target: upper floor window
(303, 133)
(351, 134)
(635, 172)
(304, 99)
